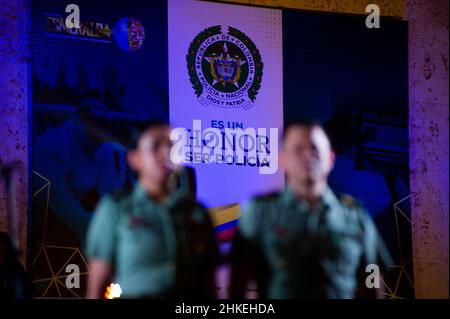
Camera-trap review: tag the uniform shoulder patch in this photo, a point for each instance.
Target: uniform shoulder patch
(349, 201)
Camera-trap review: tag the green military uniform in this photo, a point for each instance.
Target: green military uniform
(157, 250)
(299, 253)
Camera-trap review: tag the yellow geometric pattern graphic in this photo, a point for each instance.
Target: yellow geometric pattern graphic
(391, 292)
(401, 270)
(57, 277)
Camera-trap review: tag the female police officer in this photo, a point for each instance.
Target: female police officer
(154, 241)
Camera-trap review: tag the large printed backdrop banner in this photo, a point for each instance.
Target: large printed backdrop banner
(227, 76)
(226, 88)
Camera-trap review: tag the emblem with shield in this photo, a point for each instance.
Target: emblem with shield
(224, 68)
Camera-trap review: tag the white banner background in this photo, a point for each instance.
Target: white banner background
(221, 184)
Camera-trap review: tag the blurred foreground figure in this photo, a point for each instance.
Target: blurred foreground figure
(156, 241)
(305, 242)
(14, 283)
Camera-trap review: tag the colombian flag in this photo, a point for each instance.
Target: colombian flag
(225, 221)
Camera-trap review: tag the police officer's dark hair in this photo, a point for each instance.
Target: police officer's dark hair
(303, 122)
(137, 130)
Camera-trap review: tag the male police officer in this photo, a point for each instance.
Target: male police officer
(156, 242)
(304, 242)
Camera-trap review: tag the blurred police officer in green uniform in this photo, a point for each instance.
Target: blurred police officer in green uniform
(155, 241)
(305, 242)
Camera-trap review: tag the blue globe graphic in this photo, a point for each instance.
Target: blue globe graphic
(129, 34)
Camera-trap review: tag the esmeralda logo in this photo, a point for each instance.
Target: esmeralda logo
(231, 146)
(225, 69)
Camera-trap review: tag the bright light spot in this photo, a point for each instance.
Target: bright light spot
(113, 291)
